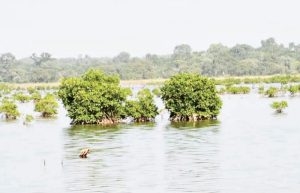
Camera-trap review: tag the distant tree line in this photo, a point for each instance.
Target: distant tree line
(218, 60)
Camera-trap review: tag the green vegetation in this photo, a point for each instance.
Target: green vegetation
(191, 97)
(279, 106)
(31, 90)
(282, 79)
(293, 89)
(272, 92)
(156, 92)
(229, 81)
(93, 98)
(218, 60)
(238, 90)
(21, 97)
(36, 96)
(5, 89)
(47, 106)
(143, 109)
(28, 118)
(10, 109)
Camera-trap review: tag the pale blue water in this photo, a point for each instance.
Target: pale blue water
(250, 149)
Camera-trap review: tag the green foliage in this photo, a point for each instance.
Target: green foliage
(228, 81)
(218, 60)
(279, 106)
(252, 80)
(93, 98)
(31, 90)
(143, 109)
(191, 97)
(36, 96)
(293, 89)
(47, 106)
(28, 118)
(272, 92)
(10, 109)
(21, 97)
(5, 89)
(156, 92)
(238, 90)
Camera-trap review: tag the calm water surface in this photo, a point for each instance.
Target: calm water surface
(249, 149)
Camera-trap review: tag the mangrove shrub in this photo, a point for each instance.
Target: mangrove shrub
(9, 109)
(238, 89)
(143, 109)
(279, 106)
(21, 97)
(93, 98)
(47, 106)
(293, 89)
(191, 97)
(272, 92)
(156, 92)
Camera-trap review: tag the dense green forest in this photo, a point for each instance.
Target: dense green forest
(218, 60)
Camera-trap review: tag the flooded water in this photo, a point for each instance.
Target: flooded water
(249, 149)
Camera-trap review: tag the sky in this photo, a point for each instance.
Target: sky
(99, 28)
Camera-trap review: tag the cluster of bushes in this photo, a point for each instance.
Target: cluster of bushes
(234, 90)
(228, 81)
(46, 105)
(21, 97)
(294, 89)
(9, 109)
(143, 109)
(95, 98)
(279, 106)
(282, 79)
(274, 91)
(5, 89)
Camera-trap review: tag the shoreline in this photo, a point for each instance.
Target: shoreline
(157, 81)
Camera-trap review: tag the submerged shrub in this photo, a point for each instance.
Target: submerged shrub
(10, 109)
(28, 119)
(191, 97)
(5, 89)
(143, 109)
(93, 98)
(31, 90)
(156, 92)
(238, 90)
(21, 97)
(36, 96)
(47, 106)
(271, 92)
(279, 106)
(293, 89)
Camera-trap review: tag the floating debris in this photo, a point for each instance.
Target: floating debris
(84, 152)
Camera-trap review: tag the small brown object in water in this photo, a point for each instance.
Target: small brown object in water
(84, 152)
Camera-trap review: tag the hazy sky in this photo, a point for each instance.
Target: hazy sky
(106, 27)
